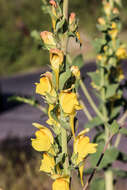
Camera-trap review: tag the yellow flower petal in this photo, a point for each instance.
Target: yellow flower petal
(83, 147)
(113, 33)
(72, 125)
(69, 102)
(121, 53)
(60, 184)
(47, 163)
(44, 139)
(45, 85)
(81, 168)
(56, 58)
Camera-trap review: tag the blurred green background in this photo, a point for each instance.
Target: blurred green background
(19, 52)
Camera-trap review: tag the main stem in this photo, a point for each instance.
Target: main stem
(65, 36)
(63, 131)
(93, 105)
(108, 173)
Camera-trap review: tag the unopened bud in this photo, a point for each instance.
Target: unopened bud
(115, 11)
(53, 3)
(48, 38)
(101, 21)
(72, 18)
(72, 22)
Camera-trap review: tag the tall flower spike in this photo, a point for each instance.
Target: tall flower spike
(44, 138)
(56, 59)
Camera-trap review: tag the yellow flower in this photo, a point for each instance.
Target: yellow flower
(69, 104)
(48, 38)
(44, 138)
(75, 70)
(114, 25)
(61, 184)
(83, 147)
(47, 163)
(113, 33)
(121, 53)
(45, 85)
(101, 21)
(99, 57)
(56, 59)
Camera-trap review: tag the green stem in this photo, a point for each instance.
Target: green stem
(93, 105)
(120, 122)
(85, 110)
(117, 141)
(65, 9)
(109, 180)
(64, 39)
(108, 173)
(63, 131)
(64, 148)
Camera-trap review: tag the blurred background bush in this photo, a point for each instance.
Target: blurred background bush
(19, 52)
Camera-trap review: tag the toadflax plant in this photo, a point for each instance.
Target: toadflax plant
(59, 90)
(58, 87)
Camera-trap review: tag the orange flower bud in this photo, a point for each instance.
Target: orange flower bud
(72, 18)
(115, 11)
(53, 3)
(101, 21)
(48, 38)
(72, 22)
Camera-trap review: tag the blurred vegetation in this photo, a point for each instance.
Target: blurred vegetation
(18, 51)
(19, 167)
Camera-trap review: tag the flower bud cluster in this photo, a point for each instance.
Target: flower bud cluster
(110, 51)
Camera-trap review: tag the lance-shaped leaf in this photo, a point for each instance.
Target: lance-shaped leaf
(78, 61)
